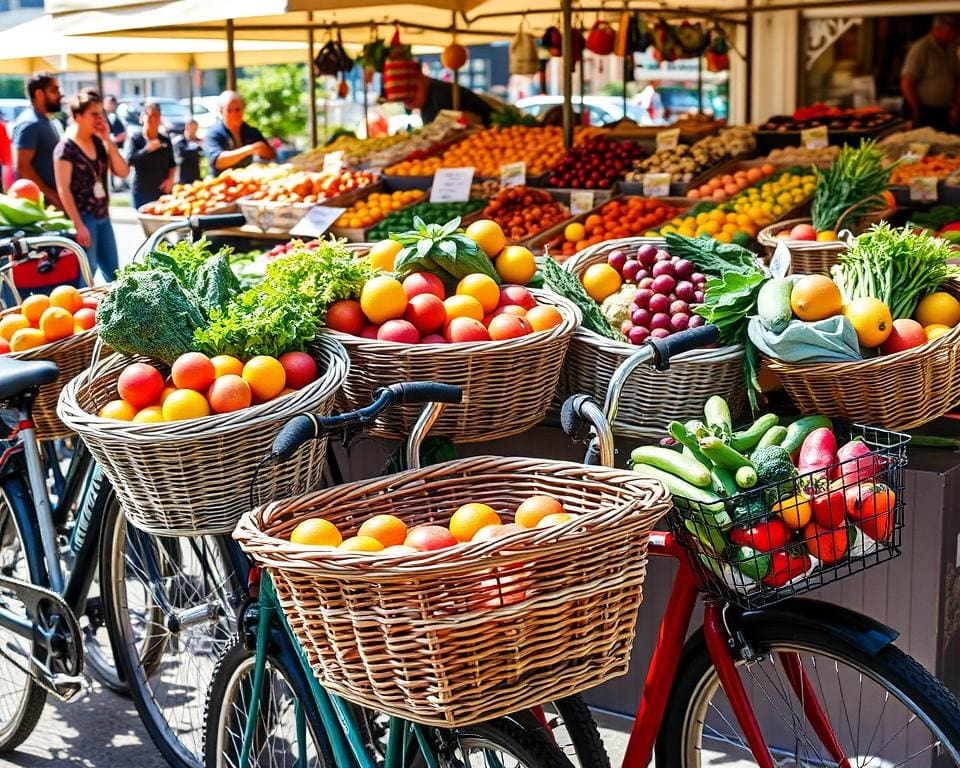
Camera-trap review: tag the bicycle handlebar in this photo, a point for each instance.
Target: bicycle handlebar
(309, 426)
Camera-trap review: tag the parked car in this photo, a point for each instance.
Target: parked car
(602, 109)
(174, 114)
(10, 109)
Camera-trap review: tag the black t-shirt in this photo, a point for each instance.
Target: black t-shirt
(150, 169)
(440, 96)
(187, 154)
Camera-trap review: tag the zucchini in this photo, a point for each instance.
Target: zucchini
(688, 439)
(746, 477)
(684, 467)
(679, 487)
(712, 539)
(773, 436)
(797, 432)
(722, 454)
(717, 414)
(724, 482)
(747, 439)
(773, 304)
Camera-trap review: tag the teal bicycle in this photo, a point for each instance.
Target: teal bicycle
(265, 707)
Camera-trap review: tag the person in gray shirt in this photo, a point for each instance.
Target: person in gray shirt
(930, 78)
(35, 136)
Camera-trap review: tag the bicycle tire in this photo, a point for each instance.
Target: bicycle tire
(892, 669)
(30, 707)
(572, 728)
(533, 748)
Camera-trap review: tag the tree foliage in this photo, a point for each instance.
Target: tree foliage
(276, 99)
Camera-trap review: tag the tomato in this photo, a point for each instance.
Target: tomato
(785, 567)
(763, 537)
(826, 544)
(829, 509)
(871, 506)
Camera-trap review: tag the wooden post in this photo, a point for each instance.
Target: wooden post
(456, 72)
(231, 59)
(191, 69)
(311, 83)
(99, 75)
(566, 7)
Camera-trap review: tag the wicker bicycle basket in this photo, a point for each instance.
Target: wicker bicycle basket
(508, 385)
(475, 631)
(650, 399)
(899, 391)
(72, 355)
(193, 477)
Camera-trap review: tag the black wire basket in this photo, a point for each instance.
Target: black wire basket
(780, 540)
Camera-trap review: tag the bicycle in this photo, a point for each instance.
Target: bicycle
(265, 702)
(746, 665)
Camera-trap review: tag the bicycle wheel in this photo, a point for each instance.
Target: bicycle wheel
(884, 709)
(21, 698)
(502, 742)
(276, 743)
(170, 604)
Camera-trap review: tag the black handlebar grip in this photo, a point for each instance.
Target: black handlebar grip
(427, 392)
(219, 221)
(293, 434)
(678, 343)
(571, 417)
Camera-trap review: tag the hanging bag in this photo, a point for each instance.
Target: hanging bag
(523, 53)
(601, 38)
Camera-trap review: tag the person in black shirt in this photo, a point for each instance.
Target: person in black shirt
(118, 135)
(187, 151)
(150, 155)
(432, 96)
(231, 142)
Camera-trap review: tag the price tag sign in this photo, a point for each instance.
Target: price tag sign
(513, 174)
(668, 139)
(332, 162)
(815, 138)
(581, 201)
(656, 184)
(780, 261)
(317, 221)
(915, 151)
(924, 189)
(451, 185)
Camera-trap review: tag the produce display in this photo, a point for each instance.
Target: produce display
(620, 217)
(942, 220)
(835, 119)
(937, 166)
(311, 187)
(485, 190)
(367, 212)
(23, 207)
(416, 307)
(722, 187)
(208, 195)
(803, 155)
(596, 163)
(415, 166)
(540, 148)
(43, 319)
(853, 186)
(430, 213)
(897, 144)
(686, 162)
(769, 505)
(523, 212)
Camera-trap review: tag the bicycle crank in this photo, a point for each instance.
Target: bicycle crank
(57, 662)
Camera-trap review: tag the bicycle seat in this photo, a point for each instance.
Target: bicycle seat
(17, 376)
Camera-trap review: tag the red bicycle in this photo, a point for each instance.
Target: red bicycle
(770, 678)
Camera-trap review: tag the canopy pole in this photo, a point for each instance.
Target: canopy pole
(566, 9)
(191, 69)
(456, 72)
(748, 62)
(311, 85)
(700, 85)
(231, 59)
(99, 75)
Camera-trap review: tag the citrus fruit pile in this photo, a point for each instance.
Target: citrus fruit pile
(42, 319)
(311, 187)
(523, 212)
(721, 188)
(425, 166)
(486, 151)
(199, 385)
(365, 213)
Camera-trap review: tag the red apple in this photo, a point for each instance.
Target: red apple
(803, 232)
(507, 326)
(430, 537)
(905, 334)
(369, 331)
(426, 313)
(346, 316)
(85, 317)
(517, 294)
(140, 385)
(399, 331)
(434, 338)
(300, 367)
(26, 190)
(4, 346)
(90, 303)
(424, 282)
(466, 329)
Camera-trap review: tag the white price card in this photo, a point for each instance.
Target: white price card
(513, 174)
(668, 139)
(780, 261)
(317, 221)
(581, 201)
(924, 189)
(815, 138)
(656, 184)
(333, 162)
(451, 185)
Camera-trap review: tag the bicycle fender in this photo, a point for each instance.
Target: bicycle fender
(862, 632)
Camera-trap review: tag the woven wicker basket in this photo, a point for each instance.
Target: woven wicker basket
(897, 392)
(476, 631)
(508, 385)
(72, 355)
(650, 399)
(194, 477)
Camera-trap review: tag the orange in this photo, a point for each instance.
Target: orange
(534, 509)
(463, 306)
(600, 281)
(795, 512)
(827, 236)
(543, 317)
(483, 288)
(34, 306)
(383, 298)
(185, 404)
(316, 532)
(389, 530)
(815, 297)
(152, 414)
(871, 319)
(558, 518)
(516, 265)
(574, 232)
(28, 338)
(939, 308)
(266, 377)
(470, 518)
(226, 364)
(935, 331)
(67, 297)
(120, 410)
(12, 323)
(361, 544)
(56, 323)
(383, 254)
(488, 235)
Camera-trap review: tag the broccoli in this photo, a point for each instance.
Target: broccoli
(773, 465)
(149, 313)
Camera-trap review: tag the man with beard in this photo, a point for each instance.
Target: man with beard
(35, 136)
